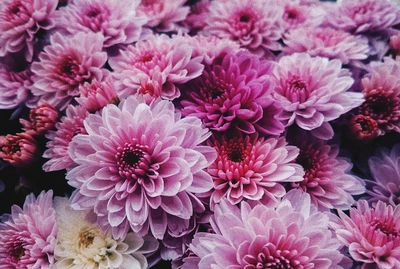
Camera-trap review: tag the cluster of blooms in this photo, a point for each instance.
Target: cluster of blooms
(206, 134)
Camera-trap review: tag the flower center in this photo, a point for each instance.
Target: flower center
(268, 260)
(15, 10)
(296, 90)
(379, 106)
(388, 227)
(17, 251)
(132, 158)
(94, 12)
(86, 238)
(133, 161)
(69, 67)
(244, 18)
(236, 150)
(147, 57)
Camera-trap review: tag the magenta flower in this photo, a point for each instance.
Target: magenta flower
(57, 146)
(234, 92)
(371, 234)
(313, 91)
(254, 24)
(65, 64)
(18, 150)
(28, 236)
(299, 13)
(327, 42)
(41, 119)
(293, 235)
(253, 168)
(140, 166)
(363, 128)
(21, 21)
(116, 20)
(197, 18)
(360, 16)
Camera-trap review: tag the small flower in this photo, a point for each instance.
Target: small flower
(18, 150)
(252, 168)
(116, 20)
(83, 244)
(327, 42)
(57, 146)
(28, 235)
(298, 14)
(197, 18)
(21, 21)
(364, 128)
(372, 234)
(41, 119)
(65, 64)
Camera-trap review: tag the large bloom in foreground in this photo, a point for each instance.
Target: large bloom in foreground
(21, 21)
(82, 244)
(116, 20)
(293, 235)
(327, 42)
(140, 166)
(65, 64)
(385, 170)
(19, 149)
(371, 234)
(234, 92)
(252, 168)
(254, 24)
(313, 91)
(28, 236)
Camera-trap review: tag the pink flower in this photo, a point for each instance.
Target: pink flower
(57, 146)
(252, 168)
(197, 18)
(328, 178)
(313, 91)
(41, 119)
(65, 64)
(163, 15)
(384, 167)
(18, 150)
(299, 13)
(140, 167)
(292, 235)
(234, 92)
(20, 22)
(168, 61)
(116, 20)
(28, 236)
(254, 24)
(327, 42)
(371, 234)
(364, 128)
(395, 43)
(360, 16)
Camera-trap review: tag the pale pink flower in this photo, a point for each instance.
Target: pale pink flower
(18, 150)
(298, 14)
(198, 16)
(41, 119)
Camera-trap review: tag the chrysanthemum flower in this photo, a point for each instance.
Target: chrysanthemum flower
(299, 13)
(116, 20)
(234, 92)
(197, 18)
(65, 64)
(371, 234)
(41, 119)
(328, 179)
(313, 91)
(363, 127)
(21, 21)
(384, 167)
(18, 150)
(327, 42)
(82, 244)
(360, 16)
(139, 166)
(254, 24)
(167, 60)
(28, 236)
(163, 15)
(57, 146)
(289, 236)
(252, 168)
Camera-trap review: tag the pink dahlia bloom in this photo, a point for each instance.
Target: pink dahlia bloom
(299, 13)
(162, 15)
(252, 168)
(65, 64)
(41, 119)
(327, 42)
(116, 20)
(234, 92)
(57, 146)
(371, 234)
(254, 24)
(313, 91)
(18, 150)
(328, 178)
(292, 235)
(160, 59)
(20, 22)
(28, 236)
(360, 16)
(385, 170)
(140, 166)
